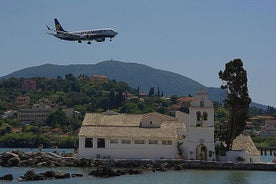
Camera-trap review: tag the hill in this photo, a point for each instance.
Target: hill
(136, 75)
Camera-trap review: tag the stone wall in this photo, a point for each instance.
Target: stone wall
(20, 159)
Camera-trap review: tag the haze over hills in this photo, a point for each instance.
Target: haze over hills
(136, 75)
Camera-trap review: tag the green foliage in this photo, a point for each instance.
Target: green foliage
(151, 91)
(67, 142)
(69, 92)
(30, 129)
(240, 159)
(57, 118)
(23, 140)
(221, 114)
(5, 129)
(12, 122)
(173, 99)
(130, 107)
(264, 141)
(271, 110)
(254, 111)
(237, 100)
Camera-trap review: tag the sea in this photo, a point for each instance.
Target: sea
(188, 176)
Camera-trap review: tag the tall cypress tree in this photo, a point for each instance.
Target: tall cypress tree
(237, 100)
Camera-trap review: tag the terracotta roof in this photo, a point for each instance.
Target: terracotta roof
(98, 119)
(128, 126)
(185, 99)
(160, 116)
(245, 143)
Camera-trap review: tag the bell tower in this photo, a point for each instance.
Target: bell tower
(201, 128)
(201, 110)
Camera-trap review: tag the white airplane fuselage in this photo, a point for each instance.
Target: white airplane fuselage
(89, 35)
(97, 34)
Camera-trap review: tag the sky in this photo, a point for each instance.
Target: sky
(192, 38)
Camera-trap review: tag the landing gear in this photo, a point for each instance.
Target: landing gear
(110, 39)
(89, 42)
(79, 41)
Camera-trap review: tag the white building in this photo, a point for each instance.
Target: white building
(199, 142)
(152, 135)
(243, 147)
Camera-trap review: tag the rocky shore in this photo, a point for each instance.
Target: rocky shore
(109, 168)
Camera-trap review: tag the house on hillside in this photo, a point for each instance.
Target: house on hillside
(22, 101)
(269, 128)
(29, 84)
(37, 114)
(98, 79)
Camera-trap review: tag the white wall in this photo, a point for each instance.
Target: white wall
(151, 122)
(233, 155)
(128, 151)
(199, 134)
(189, 150)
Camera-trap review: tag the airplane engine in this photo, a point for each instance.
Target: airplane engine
(85, 36)
(100, 39)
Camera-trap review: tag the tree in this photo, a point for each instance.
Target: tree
(173, 99)
(237, 100)
(111, 99)
(57, 118)
(151, 91)
(119, 98)
(158, 91)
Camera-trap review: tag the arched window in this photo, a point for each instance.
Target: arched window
(198, 116)
(205, 116)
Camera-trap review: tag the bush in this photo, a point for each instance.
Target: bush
(67, 142)
(240, 159)
(23, 140)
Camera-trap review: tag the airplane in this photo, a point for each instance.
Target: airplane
(97, 34)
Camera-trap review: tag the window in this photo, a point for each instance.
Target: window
(139, 141)
(205, 116)
(153, 141)
(210, 154)
(100, 143)
(167, 142)
(198, 116)
(201, 103)
(89, 142)
(113, 141)
(126, 141)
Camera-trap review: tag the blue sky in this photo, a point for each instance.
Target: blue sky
(192, 38)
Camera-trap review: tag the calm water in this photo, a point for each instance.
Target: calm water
(171, 177)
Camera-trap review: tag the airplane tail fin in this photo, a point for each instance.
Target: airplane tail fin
(58, 26)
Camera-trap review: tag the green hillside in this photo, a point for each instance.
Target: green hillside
(136, 75)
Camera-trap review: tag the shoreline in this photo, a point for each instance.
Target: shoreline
(105, 168)
(17, 158)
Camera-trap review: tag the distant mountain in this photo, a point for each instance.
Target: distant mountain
(136, 75)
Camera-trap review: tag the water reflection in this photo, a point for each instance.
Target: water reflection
(235, 177)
